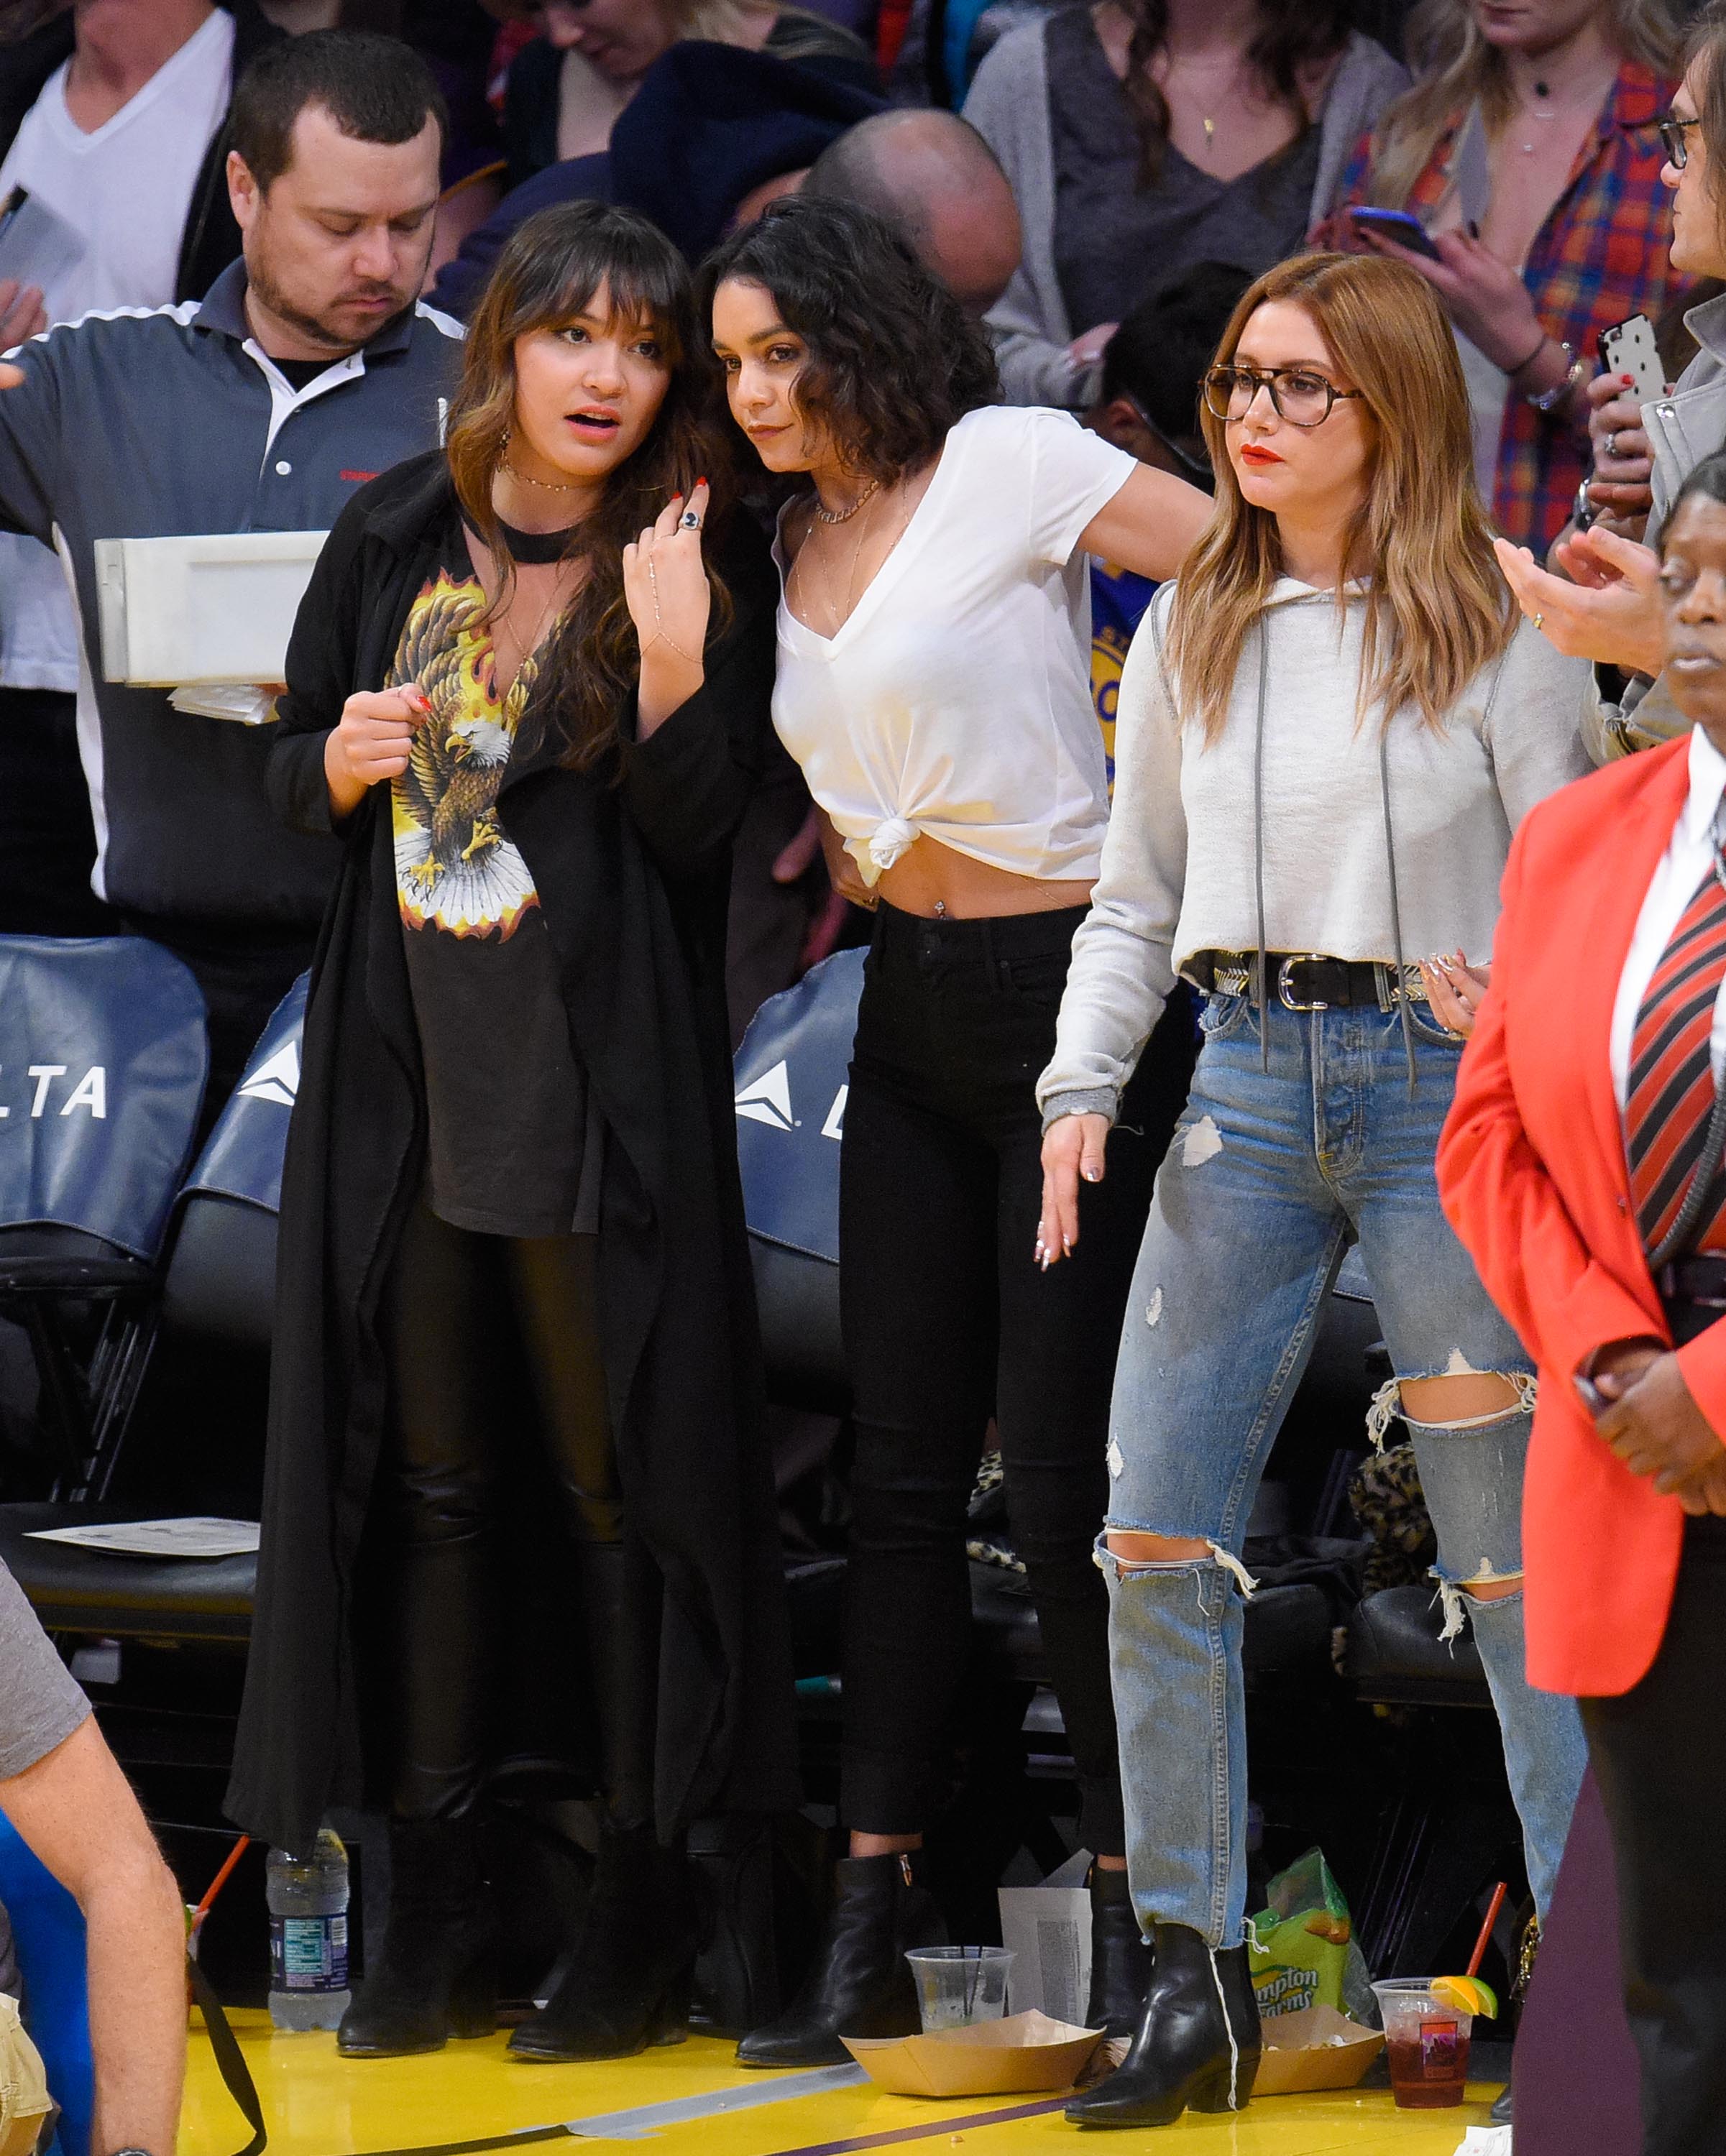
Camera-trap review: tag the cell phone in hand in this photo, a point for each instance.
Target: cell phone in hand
(1628, 347)
(1400, 225)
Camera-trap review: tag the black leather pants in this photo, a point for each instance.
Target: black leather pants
(487, 1337)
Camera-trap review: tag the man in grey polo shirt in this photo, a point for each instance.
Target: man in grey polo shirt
(61, 1789)
(309, 368)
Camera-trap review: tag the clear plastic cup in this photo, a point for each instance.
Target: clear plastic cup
(1426, 2043)
(959, 1984)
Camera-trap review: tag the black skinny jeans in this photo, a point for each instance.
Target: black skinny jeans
(1659, 1754)
(948, 1320)
(482, 1335)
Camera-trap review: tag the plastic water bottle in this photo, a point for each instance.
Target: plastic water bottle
(308, 1935)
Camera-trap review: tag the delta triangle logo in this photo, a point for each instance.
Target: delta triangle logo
(767, 1100)
(278, 1079)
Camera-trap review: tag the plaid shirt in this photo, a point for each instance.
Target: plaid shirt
(1600, 256)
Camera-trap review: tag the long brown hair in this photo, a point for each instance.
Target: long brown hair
(1437, 609)
(1454, 65)
(1293, 36)
(547, 274)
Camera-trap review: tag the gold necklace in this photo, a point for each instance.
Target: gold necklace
(544, 485)
(845, 515)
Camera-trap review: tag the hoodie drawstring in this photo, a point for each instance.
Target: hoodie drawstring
(1402, 990)
(1259, 995)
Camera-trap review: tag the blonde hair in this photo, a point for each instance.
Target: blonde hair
(1437, 609)
(1454, 65)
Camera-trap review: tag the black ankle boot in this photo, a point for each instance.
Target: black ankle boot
(859, 1984)
(436, 1977)
(627, 1982)
(1198, 2043)
(1120, 1963)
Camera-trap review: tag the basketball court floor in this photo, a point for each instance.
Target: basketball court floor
(470, 2097)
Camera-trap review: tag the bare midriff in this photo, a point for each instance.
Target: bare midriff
(932, 879)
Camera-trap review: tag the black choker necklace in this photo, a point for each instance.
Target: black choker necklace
(532, 549)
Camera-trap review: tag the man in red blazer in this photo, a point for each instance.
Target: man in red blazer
(1581, 1165)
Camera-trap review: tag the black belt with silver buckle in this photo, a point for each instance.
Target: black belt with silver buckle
(1308, 980)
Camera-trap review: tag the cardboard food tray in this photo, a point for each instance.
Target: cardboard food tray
(1314, 2048)
(1020, 2055)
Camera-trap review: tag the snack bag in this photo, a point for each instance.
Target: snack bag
(1302, 1951)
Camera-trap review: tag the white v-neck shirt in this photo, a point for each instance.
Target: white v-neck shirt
(956, 698)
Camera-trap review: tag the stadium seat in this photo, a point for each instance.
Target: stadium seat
(219, 1286)
(103, 1059)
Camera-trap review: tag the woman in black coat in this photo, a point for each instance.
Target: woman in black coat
(512, 1269)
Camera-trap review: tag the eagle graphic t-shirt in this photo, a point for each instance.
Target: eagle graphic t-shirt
(506, 1097)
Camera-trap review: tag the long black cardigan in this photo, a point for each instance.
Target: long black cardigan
(632, 863)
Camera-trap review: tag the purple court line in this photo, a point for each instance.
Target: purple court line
(928, 2132)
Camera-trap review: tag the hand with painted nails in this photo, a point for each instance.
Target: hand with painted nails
(1072, 1153)
(670, 598)
(371, 742)
(1623, 458)
(1454, 990)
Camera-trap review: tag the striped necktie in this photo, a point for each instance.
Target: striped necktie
(1671, 1094)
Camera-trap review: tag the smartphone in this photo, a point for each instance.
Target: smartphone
(1398, 224)
(1628, 348)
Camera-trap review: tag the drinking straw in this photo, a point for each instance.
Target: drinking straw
(1496, 1903)
(220, 1880)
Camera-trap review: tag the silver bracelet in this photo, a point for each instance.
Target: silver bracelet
(1575, 372)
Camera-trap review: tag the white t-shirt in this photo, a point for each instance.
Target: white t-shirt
(956, 699)
(120, 197)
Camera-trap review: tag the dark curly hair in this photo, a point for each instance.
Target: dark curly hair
(894, 360)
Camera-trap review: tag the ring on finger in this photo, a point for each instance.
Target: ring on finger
(689, 521)
(1539, 620)
(1611, 443)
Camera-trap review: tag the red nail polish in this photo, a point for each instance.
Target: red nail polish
(702, 481)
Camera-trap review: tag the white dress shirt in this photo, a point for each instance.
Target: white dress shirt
(1685, 861)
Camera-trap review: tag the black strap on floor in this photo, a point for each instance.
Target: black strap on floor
(230, 2060)
(523, 2138)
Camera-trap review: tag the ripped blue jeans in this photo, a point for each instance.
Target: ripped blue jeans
(1272, 1174)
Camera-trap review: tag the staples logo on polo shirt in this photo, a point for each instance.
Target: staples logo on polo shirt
(278, 1079)
(767, 1100)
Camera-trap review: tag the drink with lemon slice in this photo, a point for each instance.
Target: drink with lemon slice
(1428, 2021)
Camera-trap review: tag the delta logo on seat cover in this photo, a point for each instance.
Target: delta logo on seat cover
(767, 1100)
(278, 1079)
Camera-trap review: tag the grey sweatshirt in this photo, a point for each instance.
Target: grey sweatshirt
(1009, 107)
(1179, 864)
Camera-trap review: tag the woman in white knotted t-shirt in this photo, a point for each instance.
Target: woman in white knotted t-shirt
(933, 685)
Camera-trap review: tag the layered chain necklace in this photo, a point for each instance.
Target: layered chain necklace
(839, 612)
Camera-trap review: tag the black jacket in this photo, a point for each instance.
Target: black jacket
(211, 238)
(632, 868)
